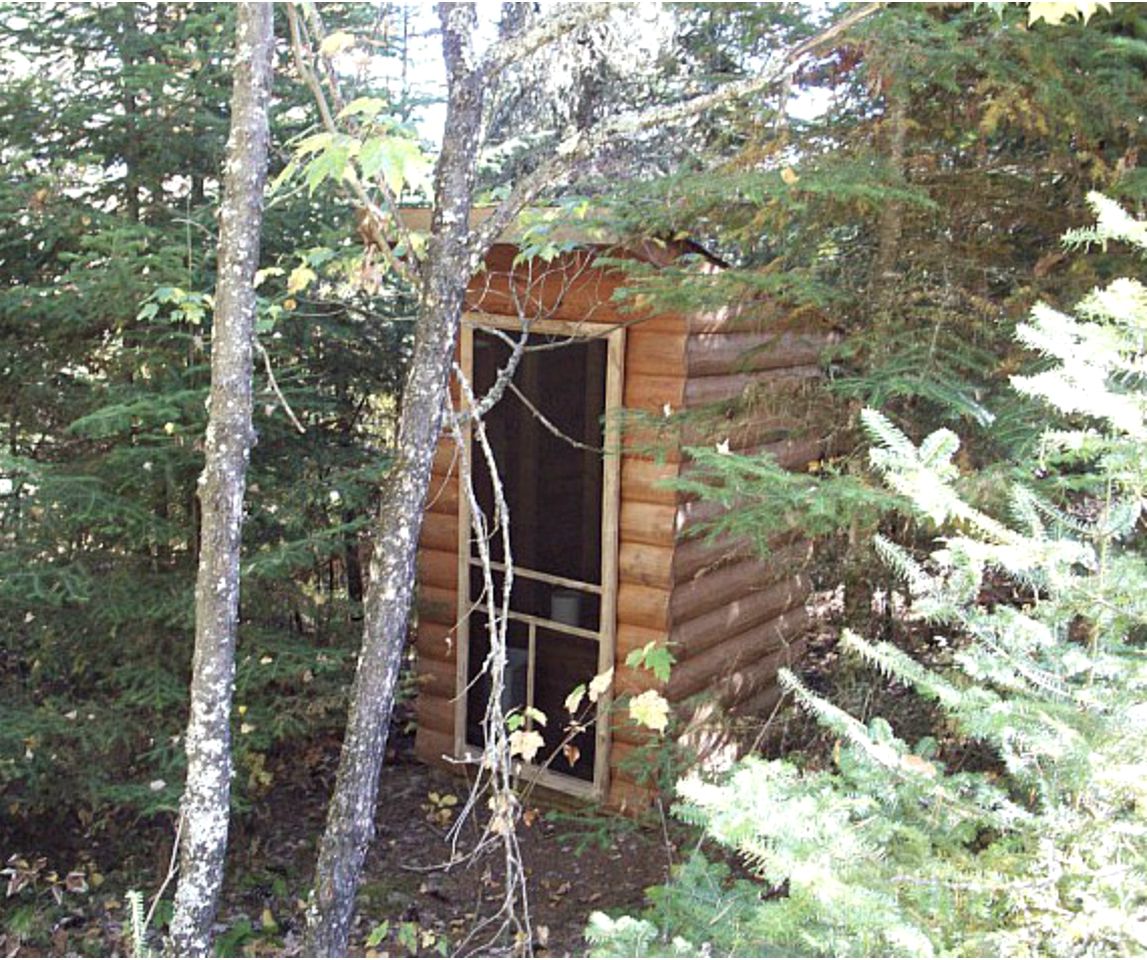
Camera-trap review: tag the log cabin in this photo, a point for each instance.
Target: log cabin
(603, 558)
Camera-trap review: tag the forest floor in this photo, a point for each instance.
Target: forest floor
(408, 904)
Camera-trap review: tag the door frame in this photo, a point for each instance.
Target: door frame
(606, 635)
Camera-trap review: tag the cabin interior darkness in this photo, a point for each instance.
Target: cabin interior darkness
(553, 490)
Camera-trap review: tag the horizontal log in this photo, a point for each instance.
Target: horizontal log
(731, 619)
(437, 604)
(696, 556)
(795, 454)
(758, 706)
(630, 681)
(694, 514)
(437, 678)
(742, 434)
(433, 747)
(438, 641)
(652, 523)
(757, 678)
(652, 438)
(446, 459)
(624, 730)
(632, 637)
(634, 763)
(442, 495)
(714, 669)
(439, 532)
(648, 480)
(643, 606)
(628, 798)
(434, 713)
(721, 586)
(646, 564)
(762, 316)
(653, 393)
(438, 568)
(655, 352)
(701, 391)
(715, 354)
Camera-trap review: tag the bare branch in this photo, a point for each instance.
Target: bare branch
(550, 29)
(274, 385)
(577, 147)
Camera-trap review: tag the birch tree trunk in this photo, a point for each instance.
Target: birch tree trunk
(445, 275)
(207, 795)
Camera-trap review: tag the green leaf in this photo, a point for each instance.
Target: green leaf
(654, 657)
(378, 934)
(330, 164)
(399, 161)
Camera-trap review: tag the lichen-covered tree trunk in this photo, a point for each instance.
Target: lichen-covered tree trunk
(446, 272)
(207, 794)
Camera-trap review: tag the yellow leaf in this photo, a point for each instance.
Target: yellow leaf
(301, 278)
(526, 744)
(600, 684)
(651, 710)
(1056, 11)
(336, 43)
(261, 275)
(573, 701)
(789, 175)
(290, 303)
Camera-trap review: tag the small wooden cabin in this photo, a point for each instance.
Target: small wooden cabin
(602, 554)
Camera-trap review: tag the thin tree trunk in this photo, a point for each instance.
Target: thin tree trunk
(207, 795)
(891, 226)
(446, 272)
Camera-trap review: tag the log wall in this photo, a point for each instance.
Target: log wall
(731, 619)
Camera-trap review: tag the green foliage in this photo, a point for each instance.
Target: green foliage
(763, 499)
(1043, 850)
(655, 657)
(110, 177)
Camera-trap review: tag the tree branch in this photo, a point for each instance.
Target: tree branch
(552, 28)
(299, 40)
(577, 147)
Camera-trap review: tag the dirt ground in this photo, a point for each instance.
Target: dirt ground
(408, 904)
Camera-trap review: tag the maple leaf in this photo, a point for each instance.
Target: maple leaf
(651, 710)
(526, 744)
